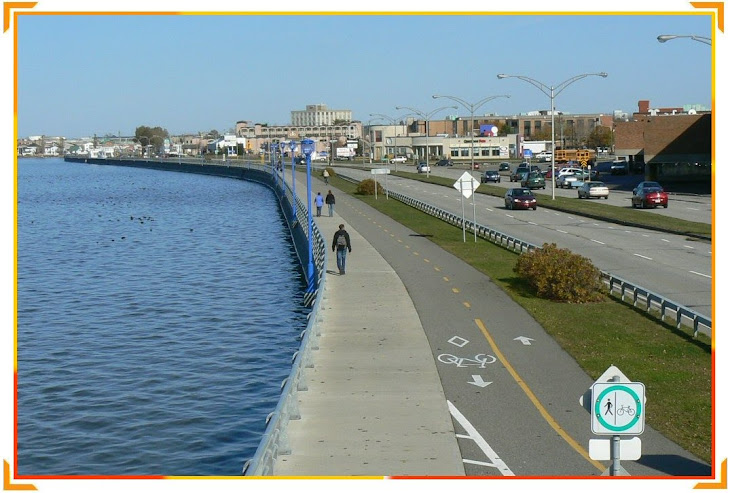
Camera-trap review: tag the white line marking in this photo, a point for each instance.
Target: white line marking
(481, 442)
(478, 463)
(690, 247)
(647, 258)
(703, 275)
(692, 208)
(510, 216)
(599, 242)
(561, 231)
(490, 210)
(530, 222)
(645, 236)
(666, 240)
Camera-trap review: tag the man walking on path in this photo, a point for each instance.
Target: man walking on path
(341, 243)
(319, 202)
(330, 201)
(326, 176)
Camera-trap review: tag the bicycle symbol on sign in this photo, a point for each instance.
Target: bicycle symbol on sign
(480, 360)
(625, 409)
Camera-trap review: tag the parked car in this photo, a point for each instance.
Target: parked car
(444, 162)
(619, 168)
(649, 194)
(590, 189)
(504, 166)
(533, 180)
(398, 159)
(491, 175)
(520, 198)
(423, 168)
(567, 181)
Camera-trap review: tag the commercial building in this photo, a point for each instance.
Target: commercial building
(319, 115)
(668, 144)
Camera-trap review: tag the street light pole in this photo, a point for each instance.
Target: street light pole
(663, 38)
(425, 116)
(395, 137)
(472, 107)
(552, 92)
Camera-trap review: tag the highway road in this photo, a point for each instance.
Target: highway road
(675, 266)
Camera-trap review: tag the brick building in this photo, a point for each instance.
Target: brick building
(667, 144)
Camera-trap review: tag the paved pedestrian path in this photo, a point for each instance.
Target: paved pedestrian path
(374, 405)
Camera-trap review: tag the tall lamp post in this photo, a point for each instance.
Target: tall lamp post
(308, 149)
(393, 122)
(472, 107)
(552, 92)
(292, 148)
(663, 38)
(425, 116)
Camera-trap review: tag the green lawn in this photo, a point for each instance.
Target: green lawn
(675, 368)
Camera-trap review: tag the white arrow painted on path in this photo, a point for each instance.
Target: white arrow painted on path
(524, 340)
(479, 381)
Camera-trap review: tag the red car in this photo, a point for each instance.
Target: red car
(649, 194)
(520, 198)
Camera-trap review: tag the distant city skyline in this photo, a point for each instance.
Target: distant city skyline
(80, 75)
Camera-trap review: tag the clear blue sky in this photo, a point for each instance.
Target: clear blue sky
(85, 75)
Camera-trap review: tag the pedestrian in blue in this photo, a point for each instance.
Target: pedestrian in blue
(341, 244)
(319, 202)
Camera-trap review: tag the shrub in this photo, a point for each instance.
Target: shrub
(331, 171)
(560, 275)
(367, 187)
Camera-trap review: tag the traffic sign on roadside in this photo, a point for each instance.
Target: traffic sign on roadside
(617, 408)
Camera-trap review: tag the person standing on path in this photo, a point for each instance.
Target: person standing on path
(326, 176)
(319, 202)
(341, 244)
(330, 201)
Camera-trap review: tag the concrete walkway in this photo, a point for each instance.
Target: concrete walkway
(375, 405)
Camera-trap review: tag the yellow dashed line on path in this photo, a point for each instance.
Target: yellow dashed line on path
(427, 260)
(446, 279)
(437, 269)
(416, 253)
(455, 290)
(530, 395)
(466, 304)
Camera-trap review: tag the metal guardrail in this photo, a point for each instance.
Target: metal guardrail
(651, 301)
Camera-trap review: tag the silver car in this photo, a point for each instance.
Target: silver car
(590, 189)
(566, 181)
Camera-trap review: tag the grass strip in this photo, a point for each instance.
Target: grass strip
(675, 368)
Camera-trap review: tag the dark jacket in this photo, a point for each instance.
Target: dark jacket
(339, 233)
(329, 199)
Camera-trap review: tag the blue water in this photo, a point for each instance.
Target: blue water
(157, 316)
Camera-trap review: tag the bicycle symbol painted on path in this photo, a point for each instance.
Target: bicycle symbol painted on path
(480, 360)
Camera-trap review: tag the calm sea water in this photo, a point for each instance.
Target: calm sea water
(157, 316)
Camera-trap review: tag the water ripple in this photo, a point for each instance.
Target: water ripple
(157, 316)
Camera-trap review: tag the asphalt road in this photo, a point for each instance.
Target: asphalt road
(512, 391)
(677, 267)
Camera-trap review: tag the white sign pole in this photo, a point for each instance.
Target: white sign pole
(375, 179)
(463, 217)
(474, 205)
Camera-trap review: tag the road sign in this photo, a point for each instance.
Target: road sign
(466, 184)
(617, 408)
(380, 171)
(600, 448)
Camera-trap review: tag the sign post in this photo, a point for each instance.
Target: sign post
(617, 407)
(380, 171)
(467, 184)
